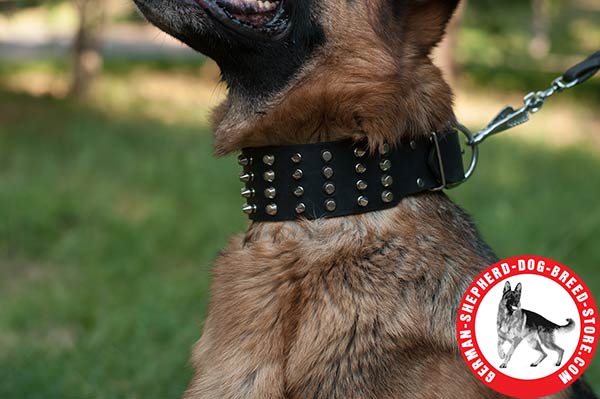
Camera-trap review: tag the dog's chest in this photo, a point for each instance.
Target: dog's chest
(510, 325)
(289, 324)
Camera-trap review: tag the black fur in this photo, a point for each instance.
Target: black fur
(252, 68)
(538, 322)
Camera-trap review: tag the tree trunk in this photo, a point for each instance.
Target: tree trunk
(87, 58)
(540, 43)
(446, 52)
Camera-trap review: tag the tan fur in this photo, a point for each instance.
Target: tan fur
(360, 84)
(360, 306)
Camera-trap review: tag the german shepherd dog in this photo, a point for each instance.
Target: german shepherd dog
(516, 324)
(361, 306)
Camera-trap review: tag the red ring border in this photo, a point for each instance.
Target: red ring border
(528, 389)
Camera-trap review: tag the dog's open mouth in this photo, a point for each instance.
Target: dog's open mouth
(265, 17)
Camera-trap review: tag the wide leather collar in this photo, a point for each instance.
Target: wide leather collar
(327, 180)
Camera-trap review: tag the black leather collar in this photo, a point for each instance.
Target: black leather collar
(342, 178)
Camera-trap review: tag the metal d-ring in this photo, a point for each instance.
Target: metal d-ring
(474, 151)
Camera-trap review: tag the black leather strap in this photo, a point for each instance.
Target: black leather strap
(584, 70)
(342, 178)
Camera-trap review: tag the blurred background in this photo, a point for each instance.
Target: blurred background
(108, 224)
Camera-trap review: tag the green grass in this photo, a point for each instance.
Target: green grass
(109, 227)
(108, 231)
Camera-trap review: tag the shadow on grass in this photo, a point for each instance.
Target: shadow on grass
(110, 225)
(503, 78)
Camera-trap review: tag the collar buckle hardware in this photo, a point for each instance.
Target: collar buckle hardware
(440, 161)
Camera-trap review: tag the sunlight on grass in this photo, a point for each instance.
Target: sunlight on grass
(562, 122)
(182, 97)
(171, 98)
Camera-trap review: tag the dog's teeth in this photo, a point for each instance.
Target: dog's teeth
(250, 6)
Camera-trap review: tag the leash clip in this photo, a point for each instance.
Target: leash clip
(507, 119)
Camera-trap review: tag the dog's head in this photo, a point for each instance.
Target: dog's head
(310, 70)
(511, 299)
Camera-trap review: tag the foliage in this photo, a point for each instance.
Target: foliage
(498, 33)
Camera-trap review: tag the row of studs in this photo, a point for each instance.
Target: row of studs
(246, 178)
(386, 180)
(299, 190)
(329, 188)
(270, 192)
(361, 185)
(269, 176)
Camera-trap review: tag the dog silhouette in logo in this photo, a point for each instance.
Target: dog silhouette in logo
(516, 325)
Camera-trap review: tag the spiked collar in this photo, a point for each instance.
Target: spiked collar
(327, 180)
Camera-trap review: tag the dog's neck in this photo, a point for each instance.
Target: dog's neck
(374, 97)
